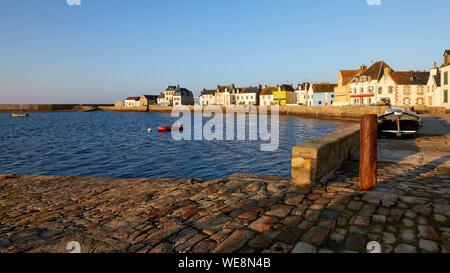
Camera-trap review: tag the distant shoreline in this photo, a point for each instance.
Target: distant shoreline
(347, 113)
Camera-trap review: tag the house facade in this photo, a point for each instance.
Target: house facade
(445, 80)
(364, 86)
(321, 94)
(434, 94)
(182, 96)
(284, 95)
(166, 97)
(380, 84)
(148, 100)
(226, 95)
(132, 102)
(248, 96)
(208, 97)
(175, 96)
(266, 95)
(342, 90)
(301, 94)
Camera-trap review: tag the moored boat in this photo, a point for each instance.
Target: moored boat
(163, 129)
(20, 115)
(399, 122)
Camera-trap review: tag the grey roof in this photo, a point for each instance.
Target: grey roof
(249, 90)
(183, 92)
(287, 87)
(149, 97)
(171, 88)
(134, 98)
(437, 78)
(208, 92)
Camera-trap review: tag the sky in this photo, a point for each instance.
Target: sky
(105, 50)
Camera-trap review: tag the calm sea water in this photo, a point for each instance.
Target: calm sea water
(118, 145)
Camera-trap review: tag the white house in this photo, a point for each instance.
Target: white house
(247, 96)
(266, 96)
(445, 81)
(321, 94)
(133, 102)
(434, 90)
(166, 97)
(226, 95)
(301, 94)
(380, 84)
(208, 97)
(364, 87)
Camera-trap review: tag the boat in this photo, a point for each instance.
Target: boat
(399, 122)
(20, 115)
(164, 129)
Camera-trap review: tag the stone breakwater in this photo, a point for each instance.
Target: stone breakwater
(409, 211)
(351, 113)
(47, 107)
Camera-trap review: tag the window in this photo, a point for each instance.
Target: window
(406, 101)
(445, 78)
(420, 90)
(380, 90)
(445, 96)
(391, 89)
(407, 90)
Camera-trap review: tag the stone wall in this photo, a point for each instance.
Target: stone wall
(36, 107)
(317, 160)
(342, 112)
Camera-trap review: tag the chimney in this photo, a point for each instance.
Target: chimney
(363, 67)
(446, 58)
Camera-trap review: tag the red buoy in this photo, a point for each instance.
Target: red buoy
(165, 129)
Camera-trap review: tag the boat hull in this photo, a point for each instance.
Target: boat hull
(166, 129)
(20, 115)
(399, 124)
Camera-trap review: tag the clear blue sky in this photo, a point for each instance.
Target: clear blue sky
(104, 50)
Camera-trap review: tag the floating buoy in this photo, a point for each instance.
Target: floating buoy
(149, 130)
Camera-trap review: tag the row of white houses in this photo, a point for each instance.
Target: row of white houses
(172, 96)
(374, 85)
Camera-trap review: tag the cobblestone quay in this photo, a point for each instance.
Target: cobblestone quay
(409, 211)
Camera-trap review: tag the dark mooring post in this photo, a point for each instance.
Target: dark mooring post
(368, 158)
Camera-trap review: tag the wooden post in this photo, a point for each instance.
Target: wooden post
(368, 158)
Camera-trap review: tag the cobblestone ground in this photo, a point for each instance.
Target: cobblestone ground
(409, 211)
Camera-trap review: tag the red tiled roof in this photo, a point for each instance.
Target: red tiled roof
(376, 71)
(410, 77)
(324, 87)
(268, 90)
